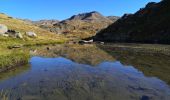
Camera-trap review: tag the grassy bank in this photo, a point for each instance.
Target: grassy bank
(13, 59)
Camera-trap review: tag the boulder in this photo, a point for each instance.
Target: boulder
(14, 34)
(3, 29)
(19, 35)
(31, 34)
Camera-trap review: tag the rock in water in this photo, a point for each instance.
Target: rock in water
(31, 34)
(3, 29)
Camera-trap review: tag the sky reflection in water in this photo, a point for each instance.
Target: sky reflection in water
(63, 79)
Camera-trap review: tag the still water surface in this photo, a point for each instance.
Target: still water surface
(83, 73)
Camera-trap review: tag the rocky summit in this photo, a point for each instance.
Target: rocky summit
(148, 25)
(90, 16)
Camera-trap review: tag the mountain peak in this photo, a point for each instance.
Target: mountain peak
(94, 15)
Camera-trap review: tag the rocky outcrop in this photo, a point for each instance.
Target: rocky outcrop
(14, 34)
(9, 33)
(148, 25)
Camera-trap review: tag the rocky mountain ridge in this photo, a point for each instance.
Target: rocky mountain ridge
(148, 25)
(46, 22)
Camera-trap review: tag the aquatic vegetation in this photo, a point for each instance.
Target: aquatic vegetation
(4, 95)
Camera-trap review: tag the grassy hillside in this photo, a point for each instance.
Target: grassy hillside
(21, 26)
(9, 57)
(81, 26)
(148, 25)
(44, 36)
(81, 29)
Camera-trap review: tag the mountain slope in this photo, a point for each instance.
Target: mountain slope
(148, 25)
(22, 26)
(81, 25)
(113, 18)
(45, 22)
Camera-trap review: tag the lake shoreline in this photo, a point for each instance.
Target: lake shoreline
(13, 60)
(14, 55)
(22, 58)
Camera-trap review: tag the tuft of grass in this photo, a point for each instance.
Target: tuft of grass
(4, 95)
(13, 59)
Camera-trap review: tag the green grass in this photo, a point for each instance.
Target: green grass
(10, 57)
(13, 59)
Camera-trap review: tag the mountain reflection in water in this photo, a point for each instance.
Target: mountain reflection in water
(66, 76)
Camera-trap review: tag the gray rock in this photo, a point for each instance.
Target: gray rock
(19, 35)
(14, 34)
(6, 33)
(31, 34)
(3, 29)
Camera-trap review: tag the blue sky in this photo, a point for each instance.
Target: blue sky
(62, 9)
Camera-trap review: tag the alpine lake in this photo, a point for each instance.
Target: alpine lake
(90, 72)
